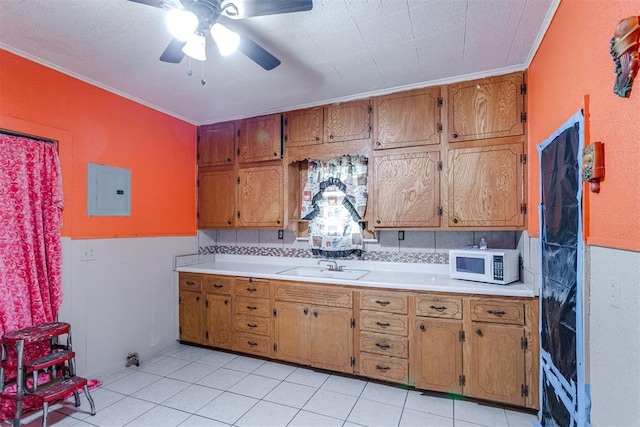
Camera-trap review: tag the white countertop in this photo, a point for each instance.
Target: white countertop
(403, 276)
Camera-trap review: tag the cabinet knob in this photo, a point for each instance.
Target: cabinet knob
(423, 328)
(317, 138)
(229, 159)
(275, 154)
(229, 222)
(479, 332)
(454, 135)
(315, 314)
(305, 311)
(455, 220)
(378, 143)
(278, 222)
(331, 137)
(378, 221)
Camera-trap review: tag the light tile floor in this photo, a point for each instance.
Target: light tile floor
(192, 386)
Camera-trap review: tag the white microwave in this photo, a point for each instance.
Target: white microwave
(497, 266)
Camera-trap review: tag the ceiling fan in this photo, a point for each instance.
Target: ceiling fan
(190, 20)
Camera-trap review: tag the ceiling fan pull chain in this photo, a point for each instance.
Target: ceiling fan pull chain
(203, 81)
(189, 70)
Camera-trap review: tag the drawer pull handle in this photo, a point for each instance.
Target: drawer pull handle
(382, 303)
(382, 346)
(382, 368)
(218, 286)
(251, 307)
(252, 325)
(497, 313)
(438, 308)
(252, 344)
(251, 290)
(191, 283)
(383, 325)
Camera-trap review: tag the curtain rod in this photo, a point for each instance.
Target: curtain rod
(26, 135)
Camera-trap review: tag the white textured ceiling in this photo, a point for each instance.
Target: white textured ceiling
(340, 50)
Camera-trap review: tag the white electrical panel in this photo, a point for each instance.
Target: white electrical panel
(108, 190)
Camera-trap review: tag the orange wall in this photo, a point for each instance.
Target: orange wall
(96, 126)
(572, 65)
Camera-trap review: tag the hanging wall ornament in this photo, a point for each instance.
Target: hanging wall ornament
(624, 49)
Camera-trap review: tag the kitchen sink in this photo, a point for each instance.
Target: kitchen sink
(347, 273)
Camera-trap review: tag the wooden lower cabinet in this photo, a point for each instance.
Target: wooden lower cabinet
(494, 364)
(483, 347)
(436, 362)
(191, 312)
(317, 336)
(219, 331)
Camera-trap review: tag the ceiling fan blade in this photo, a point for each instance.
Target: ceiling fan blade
(162, 4)
(173, 53)
(258, 54)
(249, 8)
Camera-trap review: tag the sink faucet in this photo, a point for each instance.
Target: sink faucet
(331, 263)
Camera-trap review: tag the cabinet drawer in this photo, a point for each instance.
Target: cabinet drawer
(252, 306)
(435, 306)
(383, 301)
(331, 296)
(383, 344)
(218, 284)
(256, 288)
(254, 344)
(190, 282)
(254, 325)
(511, 313)
(384, 368)
(387, 323)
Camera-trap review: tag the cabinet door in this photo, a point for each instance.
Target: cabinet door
(331, 338)
(437, 355)
(217, 144)
(303, 127)
(260, 139)
(349, 121)
(191, 317)
(219, 326)
(216, 198)
(260, 197)
(494, 363)
(486, 108)
(406, 190)
(407, 119)
(486, 186)
(292, 332)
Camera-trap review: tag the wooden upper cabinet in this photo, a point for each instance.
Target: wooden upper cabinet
(407, 119)
(486, 186)
(406, 190)
(216, 197)
(260, 139)
(487, 108)
(260, 196)
(303, 127)
(216, 144)
(348, 121)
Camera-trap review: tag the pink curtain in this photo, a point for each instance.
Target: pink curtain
(30, 221)
(30, 247)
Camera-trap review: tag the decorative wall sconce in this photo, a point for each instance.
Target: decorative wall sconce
(624, 49)
(593, 165)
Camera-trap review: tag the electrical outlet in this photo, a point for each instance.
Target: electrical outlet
(88, 254)
(400, 235)
(280, 234)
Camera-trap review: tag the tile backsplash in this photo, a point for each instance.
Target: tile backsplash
(417, 246)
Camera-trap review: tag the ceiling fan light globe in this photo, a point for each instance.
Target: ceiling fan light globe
(227, 40)
(181, 23)
(195, 47)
